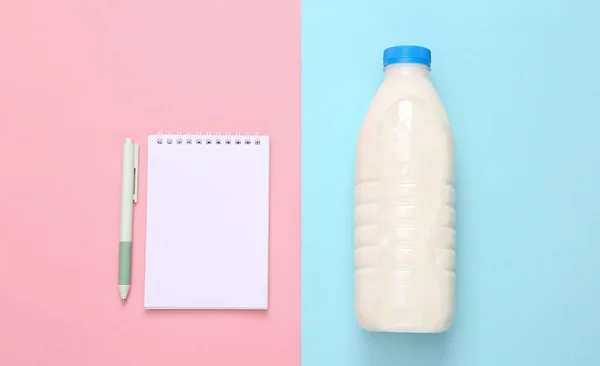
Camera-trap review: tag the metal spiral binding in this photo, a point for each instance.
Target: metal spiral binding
(209, 138)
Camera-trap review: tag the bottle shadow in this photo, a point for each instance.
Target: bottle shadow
(402, 348)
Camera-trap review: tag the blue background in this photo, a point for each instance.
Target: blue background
(521, 84)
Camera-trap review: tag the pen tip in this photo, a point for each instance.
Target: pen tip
(123, 300)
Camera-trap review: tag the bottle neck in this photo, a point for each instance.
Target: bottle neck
(407, 69)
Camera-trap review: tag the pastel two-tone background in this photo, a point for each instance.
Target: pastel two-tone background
(520, 86)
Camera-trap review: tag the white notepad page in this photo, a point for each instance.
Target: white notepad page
(207, 234)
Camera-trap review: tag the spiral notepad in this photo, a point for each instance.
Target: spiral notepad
(207, 222)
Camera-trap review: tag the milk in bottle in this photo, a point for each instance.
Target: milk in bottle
(404, 196)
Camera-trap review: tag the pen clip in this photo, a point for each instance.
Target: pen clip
(136, 151)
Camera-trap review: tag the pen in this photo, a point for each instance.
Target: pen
(129, 188)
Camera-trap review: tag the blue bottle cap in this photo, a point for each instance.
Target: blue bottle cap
(407, 54)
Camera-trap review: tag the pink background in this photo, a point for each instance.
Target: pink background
(76, 78)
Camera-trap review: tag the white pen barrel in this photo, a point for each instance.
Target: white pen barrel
(127, 189)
